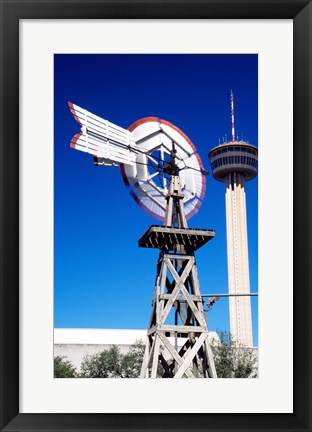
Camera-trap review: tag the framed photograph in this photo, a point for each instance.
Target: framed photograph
(121, 61)
(92, 195)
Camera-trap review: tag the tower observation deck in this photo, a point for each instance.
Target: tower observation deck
(234, 163)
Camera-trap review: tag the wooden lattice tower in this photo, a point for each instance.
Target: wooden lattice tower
(177, 338)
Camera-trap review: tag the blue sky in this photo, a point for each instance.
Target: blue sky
(102, 279)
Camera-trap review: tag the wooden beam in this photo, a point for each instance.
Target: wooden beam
(211, 364)
(156, 357)
(200, 318)
(174, 354)
(182, 328)
(181, 297)
(151, 330)
(190, 355)
(144, 368)
(175, 292)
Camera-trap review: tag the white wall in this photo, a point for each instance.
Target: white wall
(76, 343)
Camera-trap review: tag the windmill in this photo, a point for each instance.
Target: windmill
(164, 174)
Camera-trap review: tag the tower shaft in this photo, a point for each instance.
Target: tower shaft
(237, 252)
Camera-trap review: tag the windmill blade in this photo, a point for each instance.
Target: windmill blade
(147, 180)
(142, 151)
(108, 143)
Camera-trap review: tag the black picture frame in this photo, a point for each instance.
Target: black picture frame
(11, 13)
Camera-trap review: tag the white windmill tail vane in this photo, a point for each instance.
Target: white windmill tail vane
(107, 142)
(142, 152)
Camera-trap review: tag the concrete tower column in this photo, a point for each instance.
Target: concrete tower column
(237, 253)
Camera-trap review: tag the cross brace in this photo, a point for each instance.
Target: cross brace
(177, 344)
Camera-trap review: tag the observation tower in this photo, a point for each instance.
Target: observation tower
(234, 163)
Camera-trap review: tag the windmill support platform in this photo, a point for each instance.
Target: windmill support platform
(177, 338)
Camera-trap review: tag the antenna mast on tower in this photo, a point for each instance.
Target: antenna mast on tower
(232, 115)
